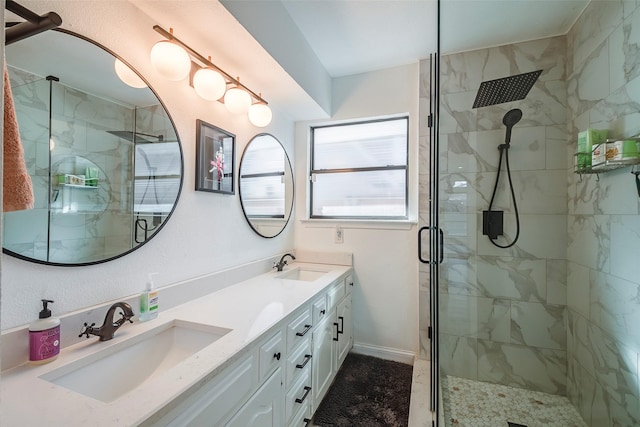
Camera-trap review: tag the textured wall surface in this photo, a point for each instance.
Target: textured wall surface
(502, 311)
(604, 220)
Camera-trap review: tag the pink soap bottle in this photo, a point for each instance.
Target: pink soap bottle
(44, 337)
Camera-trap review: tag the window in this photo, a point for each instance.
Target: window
(359, 170)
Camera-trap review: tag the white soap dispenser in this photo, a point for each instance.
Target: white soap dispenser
(149, 301)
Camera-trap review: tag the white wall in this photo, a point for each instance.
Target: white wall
(207, 232)
(385, 307)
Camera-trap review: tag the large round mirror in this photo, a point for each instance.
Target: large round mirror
(266, 185)
(103, 155)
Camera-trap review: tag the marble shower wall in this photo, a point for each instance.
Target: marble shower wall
(603, 285)
(424, 306)
(502, 311)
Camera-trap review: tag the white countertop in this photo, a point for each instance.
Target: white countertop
(248, 308)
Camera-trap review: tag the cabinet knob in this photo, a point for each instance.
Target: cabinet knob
(277, 356)
(323, 312)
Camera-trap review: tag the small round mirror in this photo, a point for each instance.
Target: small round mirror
(266, 185)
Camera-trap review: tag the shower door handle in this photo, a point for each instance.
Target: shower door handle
(422, 260)
(440, 244)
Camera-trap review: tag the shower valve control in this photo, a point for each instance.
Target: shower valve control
(492, 223)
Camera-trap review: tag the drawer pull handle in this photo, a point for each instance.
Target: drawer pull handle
(323, 311)
(306, 421)
(307, 357)
(277, 356)
(341, 329)
(337, 332)
(303, 333)
(307, 389)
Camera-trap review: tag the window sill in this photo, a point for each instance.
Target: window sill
(404, 224)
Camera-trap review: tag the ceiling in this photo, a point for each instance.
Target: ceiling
(355, 36)
(313, 41)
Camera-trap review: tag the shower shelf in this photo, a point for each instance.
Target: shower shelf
(93, 187)
(611, 165)
(608, 166)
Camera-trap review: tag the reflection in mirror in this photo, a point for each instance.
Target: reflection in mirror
(266, 185)
(103, 156)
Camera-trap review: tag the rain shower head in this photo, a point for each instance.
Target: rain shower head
(136, 137)
(506, 89)
(509, 120)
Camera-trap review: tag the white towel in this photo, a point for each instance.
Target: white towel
(17, 188)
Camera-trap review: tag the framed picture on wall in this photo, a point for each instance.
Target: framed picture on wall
(215, 159)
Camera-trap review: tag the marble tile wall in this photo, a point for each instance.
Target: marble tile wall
(83, 221)
(603, 284)
(502, 311)
(424, 296)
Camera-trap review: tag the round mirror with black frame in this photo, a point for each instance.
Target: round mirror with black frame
(266, 185)
(103, 155)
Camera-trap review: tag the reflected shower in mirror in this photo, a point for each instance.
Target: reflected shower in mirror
(103, 156)
(266, 185)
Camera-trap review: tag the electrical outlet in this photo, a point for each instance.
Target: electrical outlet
(339, 236)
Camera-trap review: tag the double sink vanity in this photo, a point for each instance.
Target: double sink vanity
(261, 352)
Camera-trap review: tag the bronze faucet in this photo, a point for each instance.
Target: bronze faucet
(109, 326)
(280, 265)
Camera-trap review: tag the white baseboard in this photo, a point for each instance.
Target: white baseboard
(386, 353)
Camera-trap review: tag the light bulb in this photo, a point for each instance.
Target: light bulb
(209, 84)
(237, 100)
(170, 60)
(260, 115)
(127, 75)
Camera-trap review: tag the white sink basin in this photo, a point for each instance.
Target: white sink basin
(107, 375)
(303, 274)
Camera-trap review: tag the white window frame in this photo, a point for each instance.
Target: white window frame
(405, 167)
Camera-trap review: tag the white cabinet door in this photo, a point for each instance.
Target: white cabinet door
(323, 362)
(264, 408)
(345, 328)
(218, 399)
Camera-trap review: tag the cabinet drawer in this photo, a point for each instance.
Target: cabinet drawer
(302, 418)
(299, 328)
(298, 361)
(218, 399)
(298, 395)
(319, 309)
(348, 281)
(271, 355)
(336, 293)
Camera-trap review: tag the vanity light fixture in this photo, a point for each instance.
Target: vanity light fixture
(260, 114)
(170, 59)
(209, 84)
(238, 98)
(127, 75)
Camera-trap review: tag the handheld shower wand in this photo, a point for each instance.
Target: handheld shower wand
(492, 220)
(509, 120)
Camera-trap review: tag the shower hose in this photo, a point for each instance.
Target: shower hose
(504, 149)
